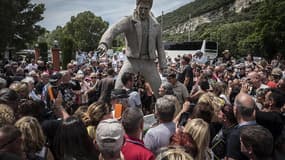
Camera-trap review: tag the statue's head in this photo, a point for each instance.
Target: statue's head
(143, 8)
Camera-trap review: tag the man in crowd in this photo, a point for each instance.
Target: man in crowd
(244, 110)
(66, 88)
(271, 116)
(254, 82)
(200, 58)
(256, 142)
(276, 75)
(179, 89)
(132, 121)
(32, 66)
(106, 85)
(186, 75)
(10, 141)
(143, 39)
(128, 82)
(110, 139)
(159, 136)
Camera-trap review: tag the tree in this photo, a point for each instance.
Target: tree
(86, 30)
(67, 47)
(18, 22)
(270, 27)
(228, 35)
(7, 27)
(44, 51)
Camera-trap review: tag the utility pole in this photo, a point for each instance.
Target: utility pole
(189, 30)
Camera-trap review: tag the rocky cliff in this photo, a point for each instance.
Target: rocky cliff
(216, 14)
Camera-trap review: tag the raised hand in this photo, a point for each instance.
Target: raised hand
(102, 49)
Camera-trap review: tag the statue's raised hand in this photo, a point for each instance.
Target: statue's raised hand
(102, 49)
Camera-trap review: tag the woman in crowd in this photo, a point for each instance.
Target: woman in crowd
(10, 98)
(72, 141)
(199, 90)
(185, 141)
(33, 139)
(199, 130)
(6, 115)
(147, 94)
(21, 88)
(96, 112)
(219, 89)
(228, 120)
(174, 154)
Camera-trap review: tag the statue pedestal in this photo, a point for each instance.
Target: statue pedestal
(55, 59)
(37, 54)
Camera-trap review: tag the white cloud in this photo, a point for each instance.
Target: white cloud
(58, 12)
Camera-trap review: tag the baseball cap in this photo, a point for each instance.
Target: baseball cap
(119, 93)
(110, 135)
(226, 51)
(55, 77)
(276, 72)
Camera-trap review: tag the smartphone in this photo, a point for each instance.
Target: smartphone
(183, 118)
(118, 111)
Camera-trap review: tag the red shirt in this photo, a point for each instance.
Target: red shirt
(134, 149)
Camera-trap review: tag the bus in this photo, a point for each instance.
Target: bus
(209, 48)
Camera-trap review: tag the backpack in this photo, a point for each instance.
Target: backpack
(42, 155)
(218, 145)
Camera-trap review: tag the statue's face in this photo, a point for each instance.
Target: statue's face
(143, 10)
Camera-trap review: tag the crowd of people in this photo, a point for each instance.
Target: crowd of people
(223, 109)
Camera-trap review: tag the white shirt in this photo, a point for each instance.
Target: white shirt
(201, 60)
(31, 67)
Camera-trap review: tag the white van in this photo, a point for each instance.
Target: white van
(209, 48)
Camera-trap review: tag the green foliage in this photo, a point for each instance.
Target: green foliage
(18, 20)
(83, 31)
(259, 29)
(252, 44)
(195, 8)
(43, 46)
(86, 30)
(270, 27)
(67, 47)
(228, 35)
(56, 34)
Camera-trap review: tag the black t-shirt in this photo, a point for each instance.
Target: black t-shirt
(233, 144)
(273, 121)
(50, 128)
(187, 72)
(39, 87)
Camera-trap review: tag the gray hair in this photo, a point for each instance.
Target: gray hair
(131, 119)
(165, 109)
(168, 87)
(3, 83)
(245, 105)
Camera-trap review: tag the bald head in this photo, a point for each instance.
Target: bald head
(253, 74)
(244, 107)
(254, 79)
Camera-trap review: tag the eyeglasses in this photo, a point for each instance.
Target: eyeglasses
(92, 77)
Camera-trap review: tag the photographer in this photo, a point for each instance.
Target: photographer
(199, 58)
(252, 83)
(51, 89)
(70, 90)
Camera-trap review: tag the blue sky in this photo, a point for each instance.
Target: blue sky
(58, 12)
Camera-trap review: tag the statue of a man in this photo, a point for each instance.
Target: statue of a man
(143, 44)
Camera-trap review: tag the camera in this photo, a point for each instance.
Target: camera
(186, 115)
